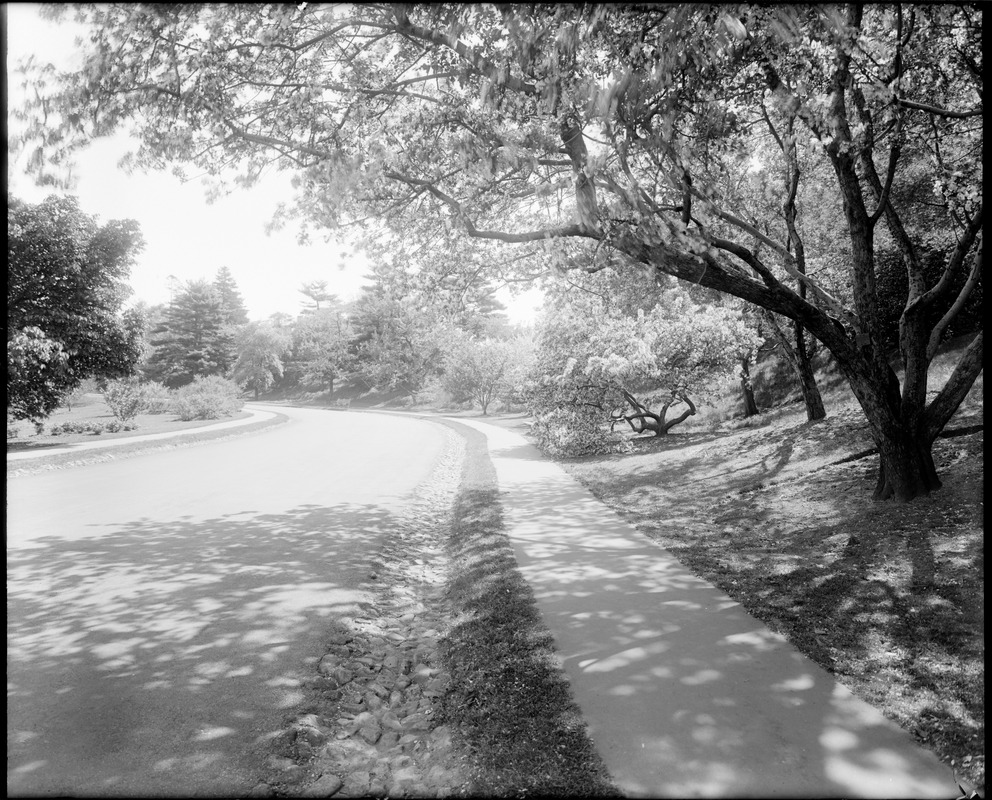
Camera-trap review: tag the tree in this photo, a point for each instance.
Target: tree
(260, 346)
(125, 398)
(317, 292)
(483, 369)
(599, 354)
(232, 305)
(65, 286)
(399, 344)
(193, 338)
(321, 341)
(598, 135)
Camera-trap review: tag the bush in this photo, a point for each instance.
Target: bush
(207, 398)
(125, 398)
(568, 432)
(96, 428)
(159, 399)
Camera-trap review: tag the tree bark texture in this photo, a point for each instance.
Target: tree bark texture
(747, 390)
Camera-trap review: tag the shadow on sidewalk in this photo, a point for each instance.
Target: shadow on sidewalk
(685, 693)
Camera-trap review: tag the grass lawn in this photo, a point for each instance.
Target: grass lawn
(91, 408)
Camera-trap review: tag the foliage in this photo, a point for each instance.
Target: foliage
(159, 398)
(232, 305)
(317, 292)
(596, 350)
(321, 344)
(65, 286)
(207, 397)
(93, 427)
(597, 135)
(399, 345)
(125, 398)
(193, 338)
(484, 369)
(260, 346)
(571, 431)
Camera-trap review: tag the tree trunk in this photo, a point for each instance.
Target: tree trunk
(643, 420)
(807, 378)
(747, 390)
(256, 392)
(906, 468)
(797, 354)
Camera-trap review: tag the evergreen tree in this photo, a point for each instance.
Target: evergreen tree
(232, 304)
(192, 338)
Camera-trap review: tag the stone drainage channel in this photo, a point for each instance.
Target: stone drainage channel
(379, 682)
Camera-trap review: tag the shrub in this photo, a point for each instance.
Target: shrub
(569, 432)
(159, 399)
(96, 428)
(125, 398)
(208, 398)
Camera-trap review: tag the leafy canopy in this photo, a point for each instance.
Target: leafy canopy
(66, 283)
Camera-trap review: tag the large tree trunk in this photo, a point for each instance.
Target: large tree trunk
(903, 426)
(906, 468)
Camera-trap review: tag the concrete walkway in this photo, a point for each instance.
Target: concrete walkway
(685, 694)
(257, 415)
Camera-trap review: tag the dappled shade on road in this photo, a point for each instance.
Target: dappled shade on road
(131, 641)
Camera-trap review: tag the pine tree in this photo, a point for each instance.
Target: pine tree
(232, 304)
(192, 339)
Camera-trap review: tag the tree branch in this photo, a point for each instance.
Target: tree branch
(941, 112)
(938, 330)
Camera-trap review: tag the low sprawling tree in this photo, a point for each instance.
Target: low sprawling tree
(618, 361)
(66, 283)
(594, 135)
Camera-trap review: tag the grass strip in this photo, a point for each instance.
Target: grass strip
(188, 438)
(509, 698)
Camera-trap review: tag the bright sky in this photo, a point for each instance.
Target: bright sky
(187, 238)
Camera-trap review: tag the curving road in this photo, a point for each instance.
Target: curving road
(162, 609)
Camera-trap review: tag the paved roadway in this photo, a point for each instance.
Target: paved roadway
(163, 608)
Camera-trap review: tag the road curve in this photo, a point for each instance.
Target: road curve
(162, 609)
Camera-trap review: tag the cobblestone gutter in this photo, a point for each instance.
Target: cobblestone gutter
(381, 680)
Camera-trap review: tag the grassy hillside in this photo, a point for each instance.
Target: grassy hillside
(777, 512)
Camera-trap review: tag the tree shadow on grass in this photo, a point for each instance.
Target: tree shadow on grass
(161, 657)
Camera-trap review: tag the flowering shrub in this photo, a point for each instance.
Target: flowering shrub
(96, 428)
(125, 398)
(207, 398)
(568, 432)
(159, 399)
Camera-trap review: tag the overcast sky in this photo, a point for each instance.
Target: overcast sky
(185, 236)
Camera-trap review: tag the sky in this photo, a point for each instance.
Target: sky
(185, 237)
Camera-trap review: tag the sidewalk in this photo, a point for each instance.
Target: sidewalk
(257, 415)
(684, 693)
